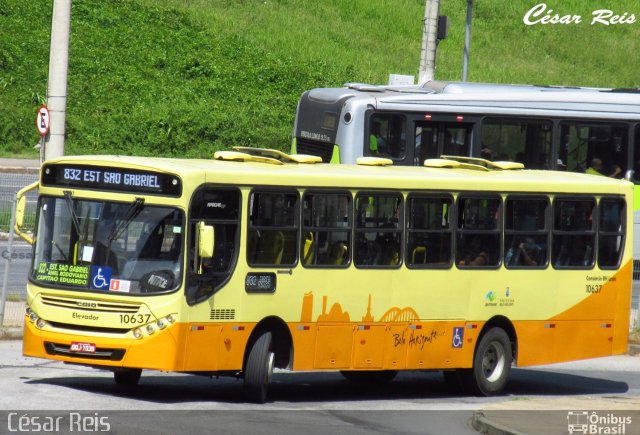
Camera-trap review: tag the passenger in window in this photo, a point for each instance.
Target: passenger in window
(474, 254)
(377, 143)
(526, 253)
(596, 168)
(485, 153)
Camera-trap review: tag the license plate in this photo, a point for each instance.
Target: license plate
(82, 347)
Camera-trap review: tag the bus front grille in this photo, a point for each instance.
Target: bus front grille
(92, 305)
(99, 354)
(315, 148)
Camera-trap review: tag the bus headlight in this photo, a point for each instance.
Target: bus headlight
(33, 317)
(171, 318)
(41, 323)
(161, 324)
(150, 329)
(137, 333)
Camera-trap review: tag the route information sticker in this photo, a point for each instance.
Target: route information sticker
(65, 274)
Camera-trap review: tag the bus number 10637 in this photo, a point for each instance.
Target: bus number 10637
(135, 318)
(594, 288)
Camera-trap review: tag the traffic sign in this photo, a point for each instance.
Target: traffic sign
(43, 121)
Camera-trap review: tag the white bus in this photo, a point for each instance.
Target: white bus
(543, 127)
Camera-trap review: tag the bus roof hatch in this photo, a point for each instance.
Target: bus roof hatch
(483, 163)
(279, 155)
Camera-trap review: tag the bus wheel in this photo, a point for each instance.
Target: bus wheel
(369, 375)
(491, 364)
(127, 377)
(259, 368)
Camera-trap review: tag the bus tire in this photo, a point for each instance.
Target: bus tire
(259, 369)
(378, 376)
(127, 377)
(491, 364)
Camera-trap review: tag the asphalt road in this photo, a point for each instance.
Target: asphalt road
(323, 402)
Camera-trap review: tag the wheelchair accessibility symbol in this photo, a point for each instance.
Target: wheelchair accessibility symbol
(458, 335)
(100, 277)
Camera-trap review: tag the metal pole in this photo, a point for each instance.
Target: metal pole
(57, 86)
(7, 264)
(467, 40)
(429, 42)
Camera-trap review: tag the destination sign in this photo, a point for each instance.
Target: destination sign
(115, 179)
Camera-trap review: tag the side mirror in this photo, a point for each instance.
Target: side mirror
(21, 205)
(20, 208)
(206, 240)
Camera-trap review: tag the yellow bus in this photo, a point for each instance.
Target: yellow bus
(256, 260)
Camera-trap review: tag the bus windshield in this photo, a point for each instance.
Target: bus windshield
(107, 246)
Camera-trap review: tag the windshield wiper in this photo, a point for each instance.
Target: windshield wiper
(74, 217)
(131, 213)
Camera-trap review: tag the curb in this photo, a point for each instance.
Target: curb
(11, 332)
(485, 426)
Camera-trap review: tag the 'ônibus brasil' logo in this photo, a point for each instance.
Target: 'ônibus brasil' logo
(593, 423)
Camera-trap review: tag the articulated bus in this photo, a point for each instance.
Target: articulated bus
(543, 127)
(257, 260)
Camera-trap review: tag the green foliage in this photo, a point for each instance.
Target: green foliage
(189, 77)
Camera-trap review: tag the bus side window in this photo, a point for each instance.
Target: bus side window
(573, 233)
(522, 140)
(526, 232)
(378, 230)
(479, 232)
(611, 234)
(429, 231)
(636, 156)
(582, 142)
(386, 136)
(326, 229)
(273, 229)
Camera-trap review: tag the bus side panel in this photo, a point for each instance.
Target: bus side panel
(622, 315)
(368, 346)
(597, 326)
(304, 345)
(609, 304)
(333, 346)
(233, 344)
(547, 342)
(536, 343)
(212, 347)
(581, 339)
(202, 344)
(395, 355)
(430, 345)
